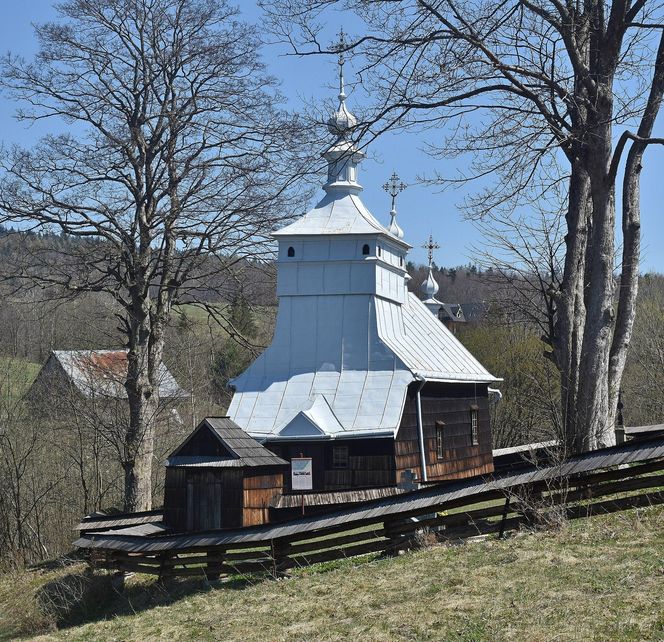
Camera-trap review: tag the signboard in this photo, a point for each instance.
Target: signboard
(302, 477)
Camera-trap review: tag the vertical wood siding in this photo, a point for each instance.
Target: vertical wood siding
(370, 463)
(258, 492)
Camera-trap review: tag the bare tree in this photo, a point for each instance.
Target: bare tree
(175, 162)
(534, 89)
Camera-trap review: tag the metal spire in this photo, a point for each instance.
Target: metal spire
(430, 285)
(340, 46)
(342, 121)
(394, 186)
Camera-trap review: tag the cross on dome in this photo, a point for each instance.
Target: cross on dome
(341, 122)
(394, 186)
(340, 46)
(430, 246)
(429, 285)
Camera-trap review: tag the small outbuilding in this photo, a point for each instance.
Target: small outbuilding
(220, 477)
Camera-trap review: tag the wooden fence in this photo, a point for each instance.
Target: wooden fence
(494, 511)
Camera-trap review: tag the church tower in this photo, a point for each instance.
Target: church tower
(351, 344)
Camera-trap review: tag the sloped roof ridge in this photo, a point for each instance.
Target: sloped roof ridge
(425, 345)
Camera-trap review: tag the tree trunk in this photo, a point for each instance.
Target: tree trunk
(571, 313)
(631, 228)
(146, 345)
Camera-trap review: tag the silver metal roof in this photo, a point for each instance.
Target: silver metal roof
(337, 214)
(342, 371)
(102, 373)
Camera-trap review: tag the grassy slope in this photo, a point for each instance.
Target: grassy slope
(16, 376)
(598, 579)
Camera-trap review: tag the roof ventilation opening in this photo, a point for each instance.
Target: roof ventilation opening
(291, 251)
(365, 249)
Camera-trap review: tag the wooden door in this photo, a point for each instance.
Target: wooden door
(204, 500)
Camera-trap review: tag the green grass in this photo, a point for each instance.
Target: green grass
(597, 579)
(16, 376)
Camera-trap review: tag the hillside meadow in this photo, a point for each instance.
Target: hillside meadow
(596, 579)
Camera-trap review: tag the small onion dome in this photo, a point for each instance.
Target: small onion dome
(395, 230)
(429, 286)
(341, 122)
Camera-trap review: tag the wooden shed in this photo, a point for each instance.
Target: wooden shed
(220, 477)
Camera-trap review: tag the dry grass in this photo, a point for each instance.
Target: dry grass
(596, 579)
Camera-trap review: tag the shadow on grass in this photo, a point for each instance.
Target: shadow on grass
(81, 597)
(85, 596)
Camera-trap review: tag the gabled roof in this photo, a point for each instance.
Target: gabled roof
(241, 449)
(316, 418)
(337, 216)
(452, 312)
(102, 373)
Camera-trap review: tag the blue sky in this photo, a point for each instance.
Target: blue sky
(422, 210)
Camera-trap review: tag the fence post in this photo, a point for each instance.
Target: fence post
(214, 560)
(506, 510)
(280, 547)
(399, 540)
(165, 569)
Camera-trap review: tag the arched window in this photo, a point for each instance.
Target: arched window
(379, 251)
(365, 249)
(291, 251)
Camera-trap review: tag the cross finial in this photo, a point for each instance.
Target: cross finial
(340, 46)
(394, 187)
(430, 246)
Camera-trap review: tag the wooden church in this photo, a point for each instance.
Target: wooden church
(361, 376)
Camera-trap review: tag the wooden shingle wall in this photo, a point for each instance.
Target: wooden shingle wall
(450, 404)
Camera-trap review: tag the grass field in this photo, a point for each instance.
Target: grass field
(597, 579)
(16, 376)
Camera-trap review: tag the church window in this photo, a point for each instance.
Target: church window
(291, 251)
(440, 444)
(339, 457)
(365, 249)
(474, 431)
(380, 251)
(401, 261)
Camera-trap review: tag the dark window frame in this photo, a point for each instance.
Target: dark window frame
(336, 464)
(440, 440)
(474, 426)
(366, 249)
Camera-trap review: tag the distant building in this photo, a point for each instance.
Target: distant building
(99, 375)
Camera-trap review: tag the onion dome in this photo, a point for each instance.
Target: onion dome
(429, 286)
(341, 122)
(394, 187)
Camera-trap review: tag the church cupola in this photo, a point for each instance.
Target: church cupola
(429, 285)
(343, 156)
(394, 187)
